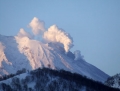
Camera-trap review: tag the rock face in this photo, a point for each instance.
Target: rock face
(17, 53)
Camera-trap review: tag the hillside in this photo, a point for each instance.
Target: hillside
(46, 79)
(18, 53)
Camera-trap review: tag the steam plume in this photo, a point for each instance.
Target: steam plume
(23, 33)
(37, 26)
(1, 47)
(78, 55)
(54, 34)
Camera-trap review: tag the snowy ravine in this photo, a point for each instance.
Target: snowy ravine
(17, 53)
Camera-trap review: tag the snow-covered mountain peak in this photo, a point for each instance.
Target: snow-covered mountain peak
(24, 52)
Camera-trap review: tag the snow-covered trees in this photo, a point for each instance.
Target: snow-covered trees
(113, 81)
(46, 79)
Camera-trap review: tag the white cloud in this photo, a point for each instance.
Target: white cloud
(37, 26)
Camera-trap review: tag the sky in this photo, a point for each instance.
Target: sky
(93, 24)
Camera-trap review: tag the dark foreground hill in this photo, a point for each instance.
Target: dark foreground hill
(46, 79)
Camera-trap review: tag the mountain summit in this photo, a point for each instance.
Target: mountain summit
(23, 52)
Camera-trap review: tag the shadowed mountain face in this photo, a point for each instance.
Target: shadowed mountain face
(30, 54)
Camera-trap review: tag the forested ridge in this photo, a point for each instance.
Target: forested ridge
(45, 79)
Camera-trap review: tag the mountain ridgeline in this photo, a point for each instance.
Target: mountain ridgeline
(17, 53)
(46, 79)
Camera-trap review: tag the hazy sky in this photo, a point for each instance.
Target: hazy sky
(93, 24)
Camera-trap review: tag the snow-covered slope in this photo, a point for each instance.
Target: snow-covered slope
(22, 52)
